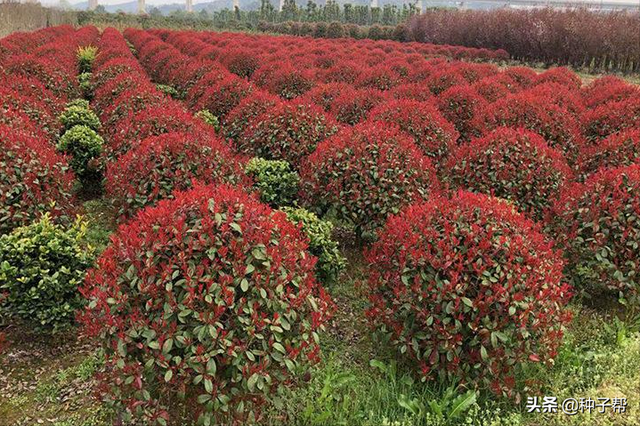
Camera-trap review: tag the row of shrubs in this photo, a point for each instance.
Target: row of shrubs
(43, 255)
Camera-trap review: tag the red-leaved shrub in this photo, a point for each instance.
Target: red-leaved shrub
(538, 114)
(289, 131)
(468, 289)
(163, 164)
(432, 133)
(462, 105)
(365, 173)
(210, 296)
(34, 180)
(619, 149)
(352, 106)
(598, 227)
(235, 123)
(224, 96)
(517, 165)
(611, 117)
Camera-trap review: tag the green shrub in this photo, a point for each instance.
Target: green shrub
(41, 267)
(168, 90)
(206, 116)
(86, 56)
(84, 145)
(86, 86)
(330, 261)
(82, 103)
(79, 115)
(274, 179)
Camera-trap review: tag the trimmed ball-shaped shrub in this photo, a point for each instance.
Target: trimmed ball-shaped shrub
(517, 165)
(42, 266)
(461, 105)
(210, 295)
(330, 261)
(289, 131)
(619, 149)
(289, 81)
(274, 180)
(34, 179)
(365, 173)
(432, 133)
(248, 109)
(598, 225)
(608, 88)
(467, 289)
(611, 117)
(152, 121)
(163, 164)
(352, 106)
(224, 96)
(538, 114)
(83, 144)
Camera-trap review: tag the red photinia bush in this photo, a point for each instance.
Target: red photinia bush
(608, 88)
(211, 296)
(381, 77)
(538, 114)
(289, 131)
(611, 117)
(352, 106)
(163, 164)
(462, 105)
(413, 91)
(32, 88)
(517, 165)
(468, 289)
(444, 79)
(37, 111)
(345, 72)
(323, 95)
(597, 225)
(224, 96)
(496, 87)
(153, 121)
(235, 123)
(106, 95)
(115, 67)
(524, 77)
(34, 180)
(561, 95)
(432, 133)
(54, 78)
(20, 122)
(560, 75)
(365, 173)
(240, 62)
(210, 79)
(289, 81)
(619, 149)
(473, 72)
(129, 103)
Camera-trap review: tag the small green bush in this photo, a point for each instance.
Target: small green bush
(84, 81)
(206, 116)
(330, 261)
(86, 56)
(78, 115)
(168, 90)
(82, 103)
(274, 179)
(41, 267)
(84, 145)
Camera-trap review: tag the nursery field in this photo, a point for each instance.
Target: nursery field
(225, 228)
